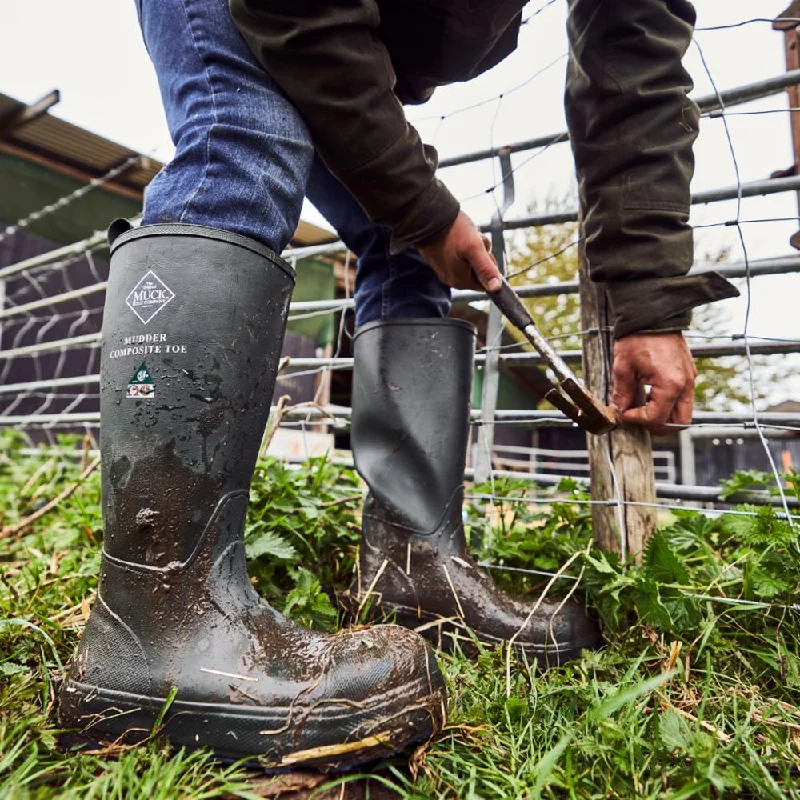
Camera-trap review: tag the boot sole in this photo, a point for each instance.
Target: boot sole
(269, 736)
(443, 633)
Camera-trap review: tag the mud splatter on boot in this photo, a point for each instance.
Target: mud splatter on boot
(192, 334)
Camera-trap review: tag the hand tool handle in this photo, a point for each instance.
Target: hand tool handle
(507, 301)
(588, 411)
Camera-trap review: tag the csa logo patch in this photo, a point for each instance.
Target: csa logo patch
(141, 384)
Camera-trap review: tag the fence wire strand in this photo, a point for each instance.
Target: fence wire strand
(49, 295)
(748, 284)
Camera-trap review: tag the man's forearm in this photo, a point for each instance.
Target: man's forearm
(633, 128)
(331, 64)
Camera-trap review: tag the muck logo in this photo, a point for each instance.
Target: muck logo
(141, 384)
(149, 296)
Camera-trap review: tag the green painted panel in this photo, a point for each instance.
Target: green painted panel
(510, 395)
(315, 281)
(26, 187)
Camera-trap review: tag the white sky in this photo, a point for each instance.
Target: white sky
(92, 51)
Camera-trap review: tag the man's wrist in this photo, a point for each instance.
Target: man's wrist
(676, 324)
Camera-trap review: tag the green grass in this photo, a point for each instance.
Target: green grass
(692, 697)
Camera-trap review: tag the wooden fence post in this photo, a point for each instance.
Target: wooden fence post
(620, 463)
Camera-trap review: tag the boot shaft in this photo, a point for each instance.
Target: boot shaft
(412, 384)
(192, 334)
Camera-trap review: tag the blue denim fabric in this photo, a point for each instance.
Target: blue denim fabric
(243, 158)
(242, 151)
(388, 286)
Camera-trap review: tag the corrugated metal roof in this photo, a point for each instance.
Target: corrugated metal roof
(62, 143)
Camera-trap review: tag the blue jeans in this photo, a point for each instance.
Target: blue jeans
(244, 158)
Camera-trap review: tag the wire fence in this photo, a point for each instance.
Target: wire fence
(51, 313)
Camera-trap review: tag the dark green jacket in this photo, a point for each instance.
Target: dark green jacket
(349, 66)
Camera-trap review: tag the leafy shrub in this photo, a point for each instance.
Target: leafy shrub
(696, 694)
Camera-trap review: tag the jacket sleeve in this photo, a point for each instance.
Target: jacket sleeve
(633, 127)
(330, 62)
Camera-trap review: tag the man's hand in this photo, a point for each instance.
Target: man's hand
(461, 255)
(663, 362)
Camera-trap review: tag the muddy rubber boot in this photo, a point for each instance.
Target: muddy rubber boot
(411, 400)
(192, 333)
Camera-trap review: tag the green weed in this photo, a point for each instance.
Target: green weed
(696, 695)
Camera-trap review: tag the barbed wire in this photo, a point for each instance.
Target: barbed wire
(494, 98)
(515, 169)
(737, 336)
(551, 256)
(538, 11)
(70, 198)
(735, 223)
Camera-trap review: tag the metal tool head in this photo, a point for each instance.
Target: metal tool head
(568, 395)
(594, 416)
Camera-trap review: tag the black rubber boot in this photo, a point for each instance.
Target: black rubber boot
(192, 334)
(411, 401)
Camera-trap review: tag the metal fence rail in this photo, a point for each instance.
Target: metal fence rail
(707, 105)
(339, 416)
(773, 266)
(491, 361)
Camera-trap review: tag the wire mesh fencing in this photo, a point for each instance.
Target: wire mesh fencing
(51, 313)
